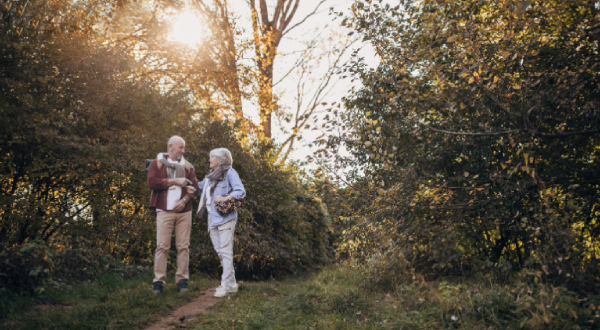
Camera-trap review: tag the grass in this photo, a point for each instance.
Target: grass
(110, 302)
(338, 298)
(334, 298)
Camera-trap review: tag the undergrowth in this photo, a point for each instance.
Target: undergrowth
(340, 297)
(343, 298)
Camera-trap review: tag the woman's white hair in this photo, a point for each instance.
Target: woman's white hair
(223, 156)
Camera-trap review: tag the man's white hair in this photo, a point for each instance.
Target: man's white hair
(173, 139)
(223, 156)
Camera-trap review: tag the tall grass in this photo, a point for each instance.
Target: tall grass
(342, 298)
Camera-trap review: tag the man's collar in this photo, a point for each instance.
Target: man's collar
(165, 156)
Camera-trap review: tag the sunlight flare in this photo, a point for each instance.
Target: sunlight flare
(187, 29)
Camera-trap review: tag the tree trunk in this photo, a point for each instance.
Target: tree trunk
(267, 35)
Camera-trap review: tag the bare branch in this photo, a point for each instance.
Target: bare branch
(305, 18)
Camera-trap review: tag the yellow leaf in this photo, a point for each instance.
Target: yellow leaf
(537, 74)
(378, 129)
(495, 79)
(517, 87)
(471, 80)
(462, 105)
(464, 75)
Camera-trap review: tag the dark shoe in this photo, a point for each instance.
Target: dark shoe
(182, 285)
(157, 287)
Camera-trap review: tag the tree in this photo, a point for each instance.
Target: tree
(268, 33)
(214, 71)
(76, 126)
(211, 71)
(478, 133)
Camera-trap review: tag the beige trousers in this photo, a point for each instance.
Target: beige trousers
(165, 221)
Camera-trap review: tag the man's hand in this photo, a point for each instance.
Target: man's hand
(179, 206)
(182, 182)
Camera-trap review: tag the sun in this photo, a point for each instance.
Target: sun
(187, 29)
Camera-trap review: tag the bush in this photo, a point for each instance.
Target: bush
(446, 172)
(32, 267)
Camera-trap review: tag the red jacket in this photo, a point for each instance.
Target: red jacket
(157, 182)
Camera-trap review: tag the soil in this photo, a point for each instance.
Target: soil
(187, 312)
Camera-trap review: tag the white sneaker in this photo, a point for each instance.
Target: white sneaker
(220, 292)
(232, 289)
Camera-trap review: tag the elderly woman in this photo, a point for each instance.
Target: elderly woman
(220, 184)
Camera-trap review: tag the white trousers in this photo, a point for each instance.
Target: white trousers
(222, 240)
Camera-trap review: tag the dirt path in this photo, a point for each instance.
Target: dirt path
(179, 317)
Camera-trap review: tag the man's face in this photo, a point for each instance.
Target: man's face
(177, 149)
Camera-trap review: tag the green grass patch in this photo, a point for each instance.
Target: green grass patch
(110, 302)
(337, 298)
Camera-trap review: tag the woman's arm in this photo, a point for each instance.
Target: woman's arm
(238, 191)
(200, 187)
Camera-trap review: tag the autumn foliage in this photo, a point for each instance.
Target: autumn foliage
(80, 114)
(477, 138)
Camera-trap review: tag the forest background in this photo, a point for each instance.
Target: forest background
(470, 150)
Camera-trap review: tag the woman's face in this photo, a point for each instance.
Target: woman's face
(213, 162)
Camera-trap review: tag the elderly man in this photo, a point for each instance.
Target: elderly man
(171, 179)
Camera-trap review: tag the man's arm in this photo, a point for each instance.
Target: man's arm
(155, 182)
(194, 183)
(189, 196)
